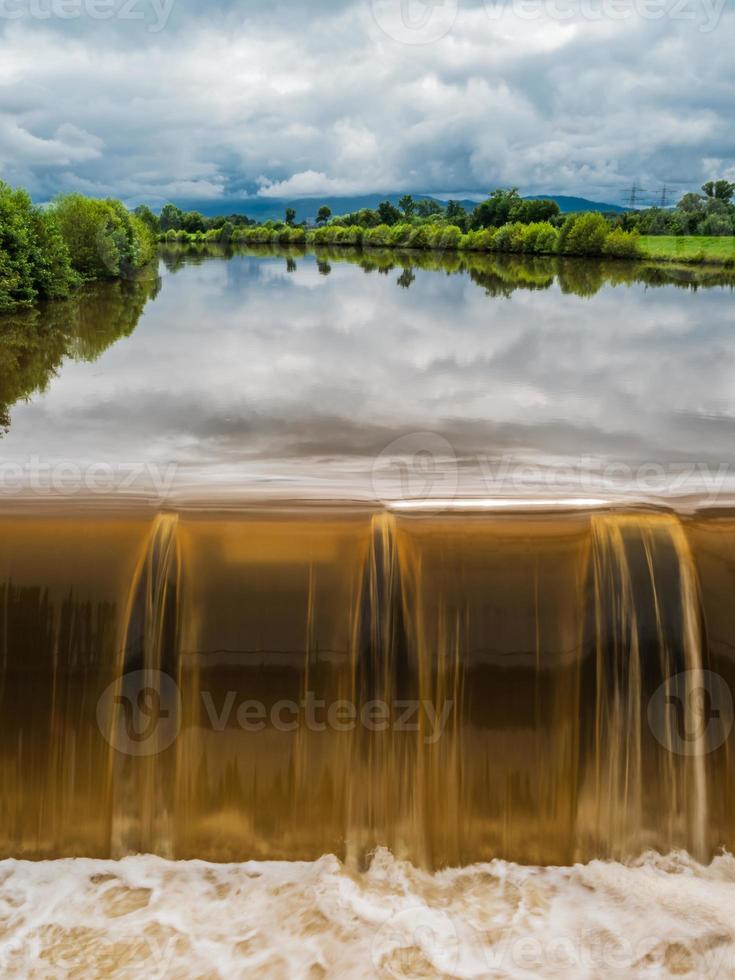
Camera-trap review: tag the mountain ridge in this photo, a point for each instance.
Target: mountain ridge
(265, 209)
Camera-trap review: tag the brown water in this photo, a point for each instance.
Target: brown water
(288, 683)
(307, 556)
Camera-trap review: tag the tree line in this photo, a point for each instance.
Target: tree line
(45, 253)
(588, 233)
(711, 213)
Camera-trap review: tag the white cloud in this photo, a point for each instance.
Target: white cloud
(327, 104)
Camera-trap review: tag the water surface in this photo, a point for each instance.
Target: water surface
(293, 374)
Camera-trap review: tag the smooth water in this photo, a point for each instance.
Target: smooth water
(261, 375)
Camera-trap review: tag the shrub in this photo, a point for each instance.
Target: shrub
(446, 236)
(478, 241)
(623, 244)
(539, 238)
(103, 238)
(547, 239)
(583, 234)
(34, 259)
(420, 237)
(377, 237)
(510, 238)
(400, 234)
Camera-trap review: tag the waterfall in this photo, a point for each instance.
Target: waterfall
(280, 683)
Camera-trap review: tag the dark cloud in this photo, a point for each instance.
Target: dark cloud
(291, 99)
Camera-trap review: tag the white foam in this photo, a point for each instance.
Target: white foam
(144, 916)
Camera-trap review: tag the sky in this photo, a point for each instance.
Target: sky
(156, 100)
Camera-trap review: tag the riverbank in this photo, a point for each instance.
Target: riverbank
(581, 236)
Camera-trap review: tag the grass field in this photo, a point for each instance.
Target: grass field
(689, 248)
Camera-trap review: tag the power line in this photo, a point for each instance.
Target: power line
(635, 193)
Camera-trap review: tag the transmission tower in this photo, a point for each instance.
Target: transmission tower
(635, 193)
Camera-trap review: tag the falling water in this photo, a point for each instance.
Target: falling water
(544, 687)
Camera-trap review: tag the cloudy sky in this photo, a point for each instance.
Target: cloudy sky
(152, 100)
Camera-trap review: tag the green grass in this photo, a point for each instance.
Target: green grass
(689, 248)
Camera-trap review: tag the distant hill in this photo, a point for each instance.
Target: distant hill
(569, 204)
(265, 208)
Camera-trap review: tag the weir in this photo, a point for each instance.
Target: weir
(546, 687)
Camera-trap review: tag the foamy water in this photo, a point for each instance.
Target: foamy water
(144, 916)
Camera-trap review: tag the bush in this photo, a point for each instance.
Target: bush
(540, 238)
(420, 237)
(34, 260)
(547, 240)
(716, 225)
(399, 234)
(446, 236)
(509, 238)
(583, 234)
(478, 241)
(103, 238)
(377, 237)
(623, 244)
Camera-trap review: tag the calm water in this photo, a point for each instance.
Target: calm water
(289, 374)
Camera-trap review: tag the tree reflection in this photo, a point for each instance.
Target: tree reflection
(33, 343)
(497, 274)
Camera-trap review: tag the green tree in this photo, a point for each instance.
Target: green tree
(456, 215)
(721, 190)
(534, 210)
(103, 238)
(34, 259)
(388, 214)
(171, 217)
(290, 216)
(323, 214)
(407, 205)
(496, 210)
(148, 217)
(193, 221)
(427, 207)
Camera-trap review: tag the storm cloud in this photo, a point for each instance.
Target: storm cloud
(185, 102)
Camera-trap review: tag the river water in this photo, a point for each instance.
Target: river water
(382, 606)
